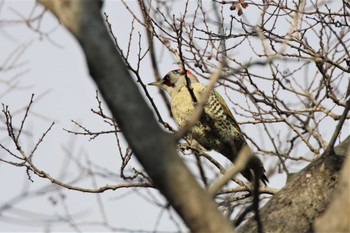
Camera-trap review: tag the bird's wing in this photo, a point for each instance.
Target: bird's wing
(226, 109)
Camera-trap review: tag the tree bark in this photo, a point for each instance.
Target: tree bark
(155, 149)
(305, 197)
(337, 216)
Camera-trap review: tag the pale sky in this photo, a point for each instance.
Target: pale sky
(54, 69)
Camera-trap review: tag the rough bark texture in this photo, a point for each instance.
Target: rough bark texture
(305, 197)
(337, 216)
(154, 148)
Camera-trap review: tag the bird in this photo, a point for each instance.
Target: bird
(217, 128)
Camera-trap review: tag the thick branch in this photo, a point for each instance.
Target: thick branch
(154, 148)
(336, 218)
(305, 197)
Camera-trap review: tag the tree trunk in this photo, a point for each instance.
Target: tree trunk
(337, 216)
(305, 197)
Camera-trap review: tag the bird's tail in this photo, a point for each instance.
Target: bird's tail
(255, 168)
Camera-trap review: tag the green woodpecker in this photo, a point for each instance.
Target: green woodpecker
(217, 128)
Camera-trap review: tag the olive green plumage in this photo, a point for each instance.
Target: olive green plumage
(217, 128)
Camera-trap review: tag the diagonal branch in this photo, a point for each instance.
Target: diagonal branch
(155, 149)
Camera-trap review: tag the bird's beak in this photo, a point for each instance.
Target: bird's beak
(159, 83)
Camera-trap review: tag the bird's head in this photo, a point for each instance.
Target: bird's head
(174, 80)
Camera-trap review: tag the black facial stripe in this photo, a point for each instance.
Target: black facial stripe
(168, 82)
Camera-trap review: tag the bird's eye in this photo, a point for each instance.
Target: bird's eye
(168, 82)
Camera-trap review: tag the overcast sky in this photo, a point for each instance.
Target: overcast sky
(53, 67)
